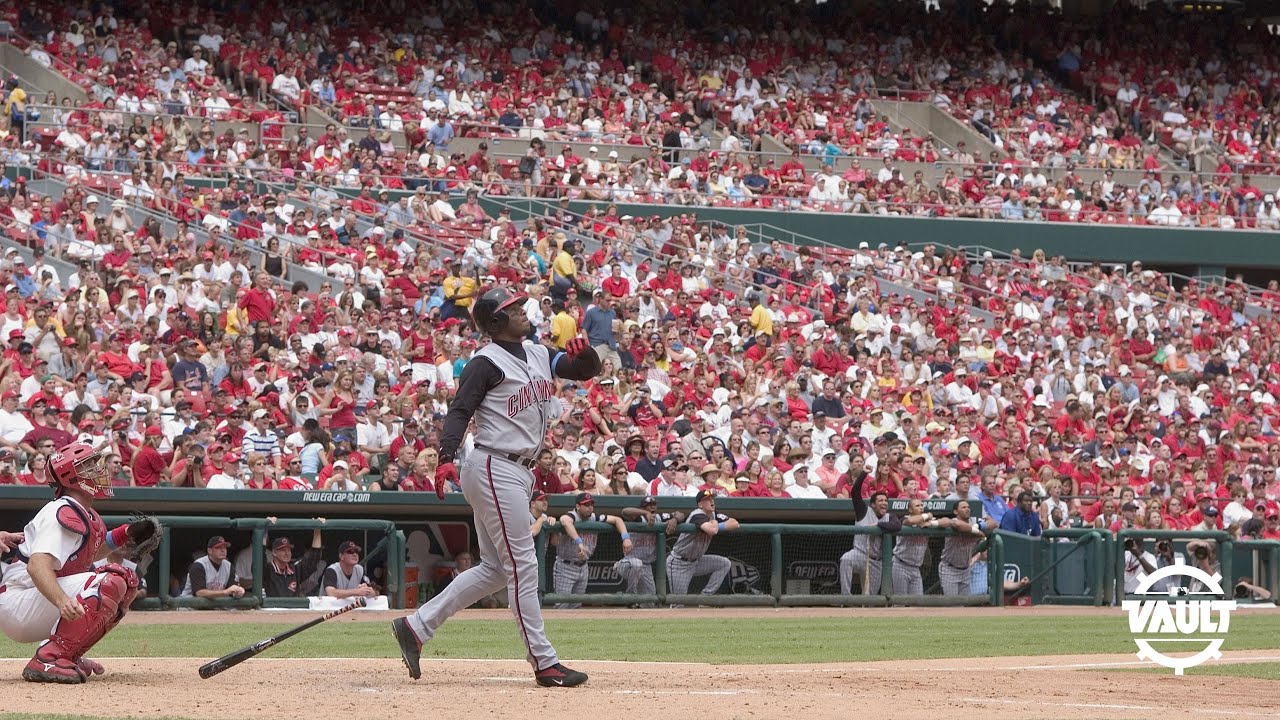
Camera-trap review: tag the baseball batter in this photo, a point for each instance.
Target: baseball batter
(689, 558)
(864, 558)
(958, 549)
(636, 568)
(574, 549)
(52, 592)
(507, 387)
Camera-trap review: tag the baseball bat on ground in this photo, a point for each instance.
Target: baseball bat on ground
(213, 667)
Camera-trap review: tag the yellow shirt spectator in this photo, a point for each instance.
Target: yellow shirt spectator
(461, 290)
(17, 96)
(565, 266)
(563, 329)
(762, 320)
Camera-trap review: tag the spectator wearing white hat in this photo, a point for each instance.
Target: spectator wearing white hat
(390, 118)
(592, 162)
(798, 485)
(957, 392)
(1166, 213)
(262, 439)
(229, 478)
(1268, 213)
(340, 480)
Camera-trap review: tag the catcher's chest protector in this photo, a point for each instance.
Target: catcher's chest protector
(86, 523)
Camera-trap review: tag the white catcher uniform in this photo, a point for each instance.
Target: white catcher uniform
(508, 388)
(25, 615)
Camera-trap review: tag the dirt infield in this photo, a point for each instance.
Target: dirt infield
(1046, 687)
(1077, 686)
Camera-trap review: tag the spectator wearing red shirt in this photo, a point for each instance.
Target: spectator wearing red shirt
(616, 285)
(1271, 529)
(1085, 474)
(149, 466)
(1071, 422)
(118, 256)
(646, 412)
(544, 475)
(258, 302)
(409, 437)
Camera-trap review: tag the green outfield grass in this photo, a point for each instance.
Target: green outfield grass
(1258, 670)
(715, 640)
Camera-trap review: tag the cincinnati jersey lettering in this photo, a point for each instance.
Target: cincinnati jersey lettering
(536, 391)
(513, 416)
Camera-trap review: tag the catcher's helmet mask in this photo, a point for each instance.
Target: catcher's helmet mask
(80, 465)
(490, 311)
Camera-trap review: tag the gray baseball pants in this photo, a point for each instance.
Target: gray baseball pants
(498, 492)
(854, 563)
(682, 572)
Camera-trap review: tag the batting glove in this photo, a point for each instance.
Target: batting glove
(445, 474)
(575, 347)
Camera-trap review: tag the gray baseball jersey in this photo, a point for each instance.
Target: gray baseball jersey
(512, 418)
(693, 545)
(335, 578)
(910, 549)
(644, 546)
(863, 543)
(566, 549)
(208, 576)
(957, 549)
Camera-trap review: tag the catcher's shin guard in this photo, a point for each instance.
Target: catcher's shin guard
(105, 598)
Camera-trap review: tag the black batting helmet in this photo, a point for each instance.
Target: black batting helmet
(490, 310)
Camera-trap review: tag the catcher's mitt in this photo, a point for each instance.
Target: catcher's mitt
(144, 536)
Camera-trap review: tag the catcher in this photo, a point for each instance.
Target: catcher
(52, 592)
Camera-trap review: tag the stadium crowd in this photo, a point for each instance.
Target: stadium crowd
(708, 106)
(750, 368)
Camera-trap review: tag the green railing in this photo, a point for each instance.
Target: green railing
(775, 564)
(1096, 548)
(837, 539)
(1265, 565)
(392, 543)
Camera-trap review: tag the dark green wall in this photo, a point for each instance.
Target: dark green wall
(19, 504)
(1220, 248)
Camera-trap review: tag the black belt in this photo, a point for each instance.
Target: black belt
(575, 563)
(513, 457)
(677, 557)
(954, 567)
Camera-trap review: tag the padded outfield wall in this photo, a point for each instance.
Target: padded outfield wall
(1209, 250)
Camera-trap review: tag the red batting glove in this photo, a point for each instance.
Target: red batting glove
(444, 475)
(575, 347)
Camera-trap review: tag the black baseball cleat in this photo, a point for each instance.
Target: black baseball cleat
(410, 646)
(559, 676)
